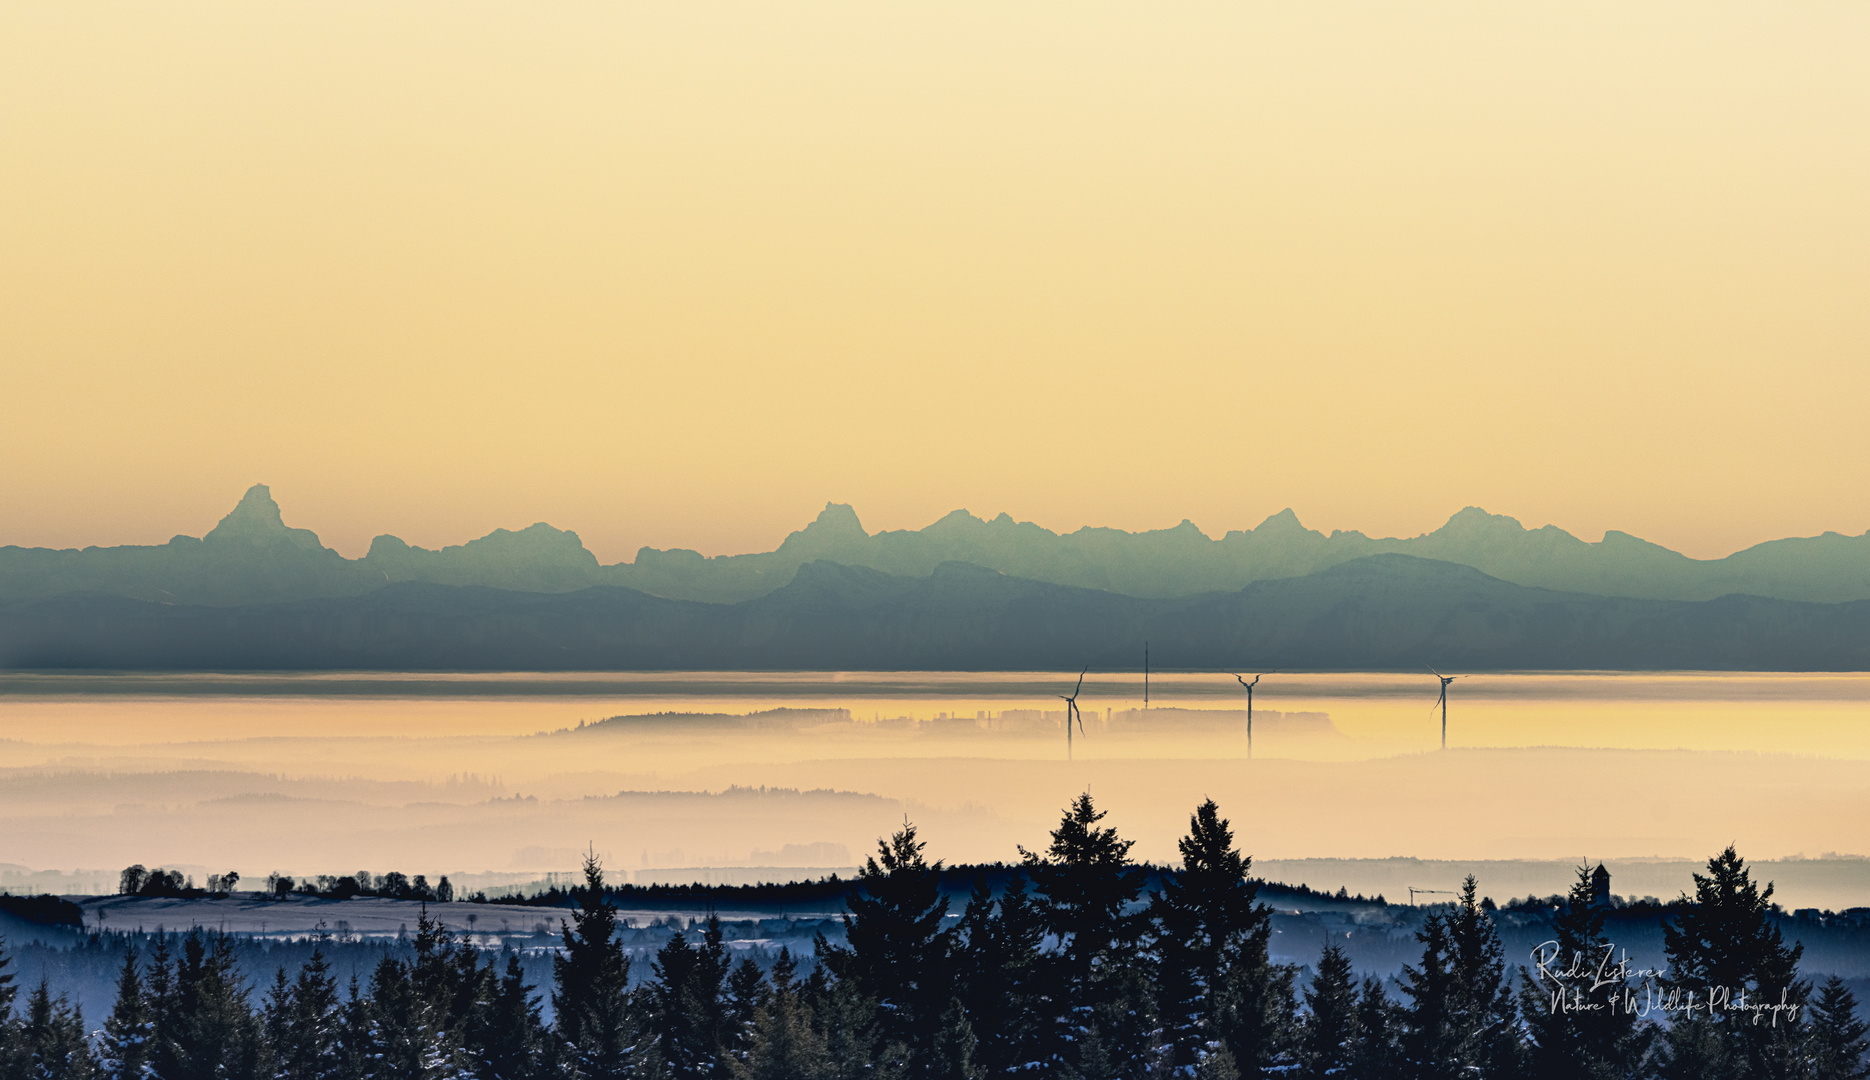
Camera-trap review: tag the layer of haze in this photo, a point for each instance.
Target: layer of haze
(439, 774)
(677, 274)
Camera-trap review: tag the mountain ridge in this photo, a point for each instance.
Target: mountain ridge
(1382, 612)
(253, 556)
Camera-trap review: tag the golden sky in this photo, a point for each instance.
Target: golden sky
(676, 274)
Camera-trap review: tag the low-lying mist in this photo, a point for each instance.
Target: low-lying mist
(512, 778)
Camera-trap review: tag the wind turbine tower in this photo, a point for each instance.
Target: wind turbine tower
(1071, 712)
(1443, 702)
(1250, 686)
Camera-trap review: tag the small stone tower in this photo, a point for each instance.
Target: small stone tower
(1600, 887)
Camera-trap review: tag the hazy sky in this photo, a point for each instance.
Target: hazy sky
(676, 274)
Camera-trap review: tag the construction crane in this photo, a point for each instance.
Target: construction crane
(1427, 892)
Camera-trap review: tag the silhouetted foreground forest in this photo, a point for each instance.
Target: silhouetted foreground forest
(1071, 971)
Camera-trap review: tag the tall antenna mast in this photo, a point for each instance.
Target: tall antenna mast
(1145, 674)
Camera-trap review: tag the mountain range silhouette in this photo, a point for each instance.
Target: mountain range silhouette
(1480, 593)
(252, 556)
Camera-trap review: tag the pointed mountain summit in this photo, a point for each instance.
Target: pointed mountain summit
(837, 520)
(256, 520)
(835, 529)
(1284, 523)
(1474, 534)
(252, 556)
(957, 523)
(1472, 521)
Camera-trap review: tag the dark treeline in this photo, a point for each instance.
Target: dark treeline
(1073, 968)
(833, 890)
(42, 910)
(139, 881)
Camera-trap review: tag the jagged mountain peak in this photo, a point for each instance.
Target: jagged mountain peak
(538, 535)
(837, 521)
(256, 519)
(253, 555)
(255, 510)
(1472, 520)
(955, 519)
(1284, 523)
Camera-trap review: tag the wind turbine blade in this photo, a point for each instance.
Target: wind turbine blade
(1074, 693)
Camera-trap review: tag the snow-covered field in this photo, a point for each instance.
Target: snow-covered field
(487, 925)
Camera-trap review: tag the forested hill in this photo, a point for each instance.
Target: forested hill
(252, 556)
(1386, 612)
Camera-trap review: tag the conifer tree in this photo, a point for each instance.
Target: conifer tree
(1218, 981)
(591, 979)
(1480, 962)
(410, 1031)
(951, 1052)
(999, 972)
(7, 993)
(124, 1048)
(1460, 1017)
(51, 1042)
(1100, 997)
(204, 1027)
(1331, 1031)
(1217, 1063)
(1724, 942)
(303, 1021)
(276, 1023)
(355, 1036)
(1379, 1051)
(1840, 1040)
(513, 1044)
(159, 991)
(747, 994)
(846, 1021)
(450, 989)
(404, 1041)
(896, 950)
(784, 1044)
(1580, 1028)
(1432, 1029)
(688, 1006)
(1693, 1049)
